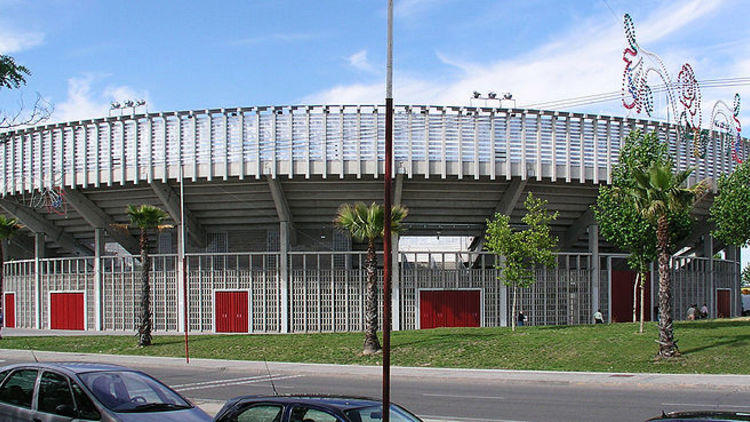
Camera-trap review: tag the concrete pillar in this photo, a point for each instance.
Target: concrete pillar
(99, 244)
(594, 251)
(39, 253)
(284, 274)
(395, 285)
(733, 254)
(180, 283)
(708, 251)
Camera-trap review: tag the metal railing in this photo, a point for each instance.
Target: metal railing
(325, 290)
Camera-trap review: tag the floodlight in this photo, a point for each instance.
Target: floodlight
(477, 94)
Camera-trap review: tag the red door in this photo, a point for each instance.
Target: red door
(231, 312)
(66, 311)
(623, 283)
(449, 308)
(723, 307)
(9, 308)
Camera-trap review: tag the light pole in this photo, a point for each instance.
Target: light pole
(387, 220)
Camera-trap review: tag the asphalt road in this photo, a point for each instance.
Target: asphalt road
(458, 398)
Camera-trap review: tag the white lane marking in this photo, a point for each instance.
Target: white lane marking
(718, 406)
(228, 384)
(464, 397)
(430, 418)
(219, 381)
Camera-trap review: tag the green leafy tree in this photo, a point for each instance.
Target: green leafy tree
(366, 223)
(730, 211)
(658, 195)
(146, 218)
(746, 276)
(12, 75)
(523, 250)
(8, 228)
(620, 222)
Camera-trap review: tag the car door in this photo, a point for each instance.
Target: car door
(16, 395)
(59, 399)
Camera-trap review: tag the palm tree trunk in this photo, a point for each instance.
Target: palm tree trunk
(372, 345)
(513, 309)
(145, 328)
(2, 281)
(635, 295)
(643, 300)
(667, 346)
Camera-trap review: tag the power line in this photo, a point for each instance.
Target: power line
(615, 95)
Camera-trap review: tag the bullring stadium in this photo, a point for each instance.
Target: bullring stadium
(261, 186)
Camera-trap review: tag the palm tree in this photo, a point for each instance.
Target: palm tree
(8, 227)
(658, 194)
(146, 217)
(366, 224)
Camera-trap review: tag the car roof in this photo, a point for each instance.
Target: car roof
(706, 415)
(70, 367)
(342, 403)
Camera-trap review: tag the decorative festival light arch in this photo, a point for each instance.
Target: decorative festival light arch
(684, 97)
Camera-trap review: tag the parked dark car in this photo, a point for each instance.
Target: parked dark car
(308, 409)
(713, 416)
(62, 392)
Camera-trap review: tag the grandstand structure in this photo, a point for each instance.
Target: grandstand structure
(261, 189)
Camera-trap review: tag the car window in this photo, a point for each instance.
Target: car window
(375, 414)
(19, 388)
(54, 395)
(86, 408)
(260, 413)
(306, 414)
(131, 391)
(2, 376)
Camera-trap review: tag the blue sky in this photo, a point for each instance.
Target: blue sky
(190, 55)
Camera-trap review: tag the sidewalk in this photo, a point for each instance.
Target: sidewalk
(592, 379)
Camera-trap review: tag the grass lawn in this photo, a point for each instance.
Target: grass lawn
(715, 347)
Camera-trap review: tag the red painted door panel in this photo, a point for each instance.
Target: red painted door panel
(623, 283)
(723, 307)
(66, 311)
(449, 308)
(231, 312)
(9, 309)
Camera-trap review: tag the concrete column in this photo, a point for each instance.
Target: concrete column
(284, 274)
(39, 253)
(708, 251)
(98, 279)
(733, 254)
(180, 283)
(395, 285)
(594, 251)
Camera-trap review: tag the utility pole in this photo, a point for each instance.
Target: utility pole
(387, 220)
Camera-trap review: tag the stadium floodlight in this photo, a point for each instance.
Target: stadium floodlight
(507, 96)
(477, 94)
(492, 95)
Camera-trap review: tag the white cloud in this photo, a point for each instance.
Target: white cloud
(586, 60)
(14, 41)
(359, 61)
(83, 103)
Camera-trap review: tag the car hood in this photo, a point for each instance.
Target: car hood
(188, 415)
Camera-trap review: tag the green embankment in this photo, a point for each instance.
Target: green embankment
(715, 346)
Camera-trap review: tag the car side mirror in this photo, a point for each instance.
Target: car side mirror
(65, 410)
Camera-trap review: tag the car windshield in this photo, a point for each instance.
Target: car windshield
(375, 413)
(129, 391)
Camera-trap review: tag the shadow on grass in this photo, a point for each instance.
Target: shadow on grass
(714, 323)
(734, 341)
